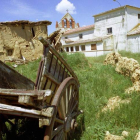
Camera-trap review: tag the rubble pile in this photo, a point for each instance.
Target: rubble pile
(109, 136)
(112, 59)
(114, 102)
(137, 137)
(55, 39)
(126, 66)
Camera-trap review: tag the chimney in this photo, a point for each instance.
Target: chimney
(78, 25)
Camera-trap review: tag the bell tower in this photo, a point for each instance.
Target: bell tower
(67, 23)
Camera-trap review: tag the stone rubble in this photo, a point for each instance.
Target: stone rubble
(126, 66)
(115, 102)
(109, 136)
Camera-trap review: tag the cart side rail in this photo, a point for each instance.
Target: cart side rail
(53, 68)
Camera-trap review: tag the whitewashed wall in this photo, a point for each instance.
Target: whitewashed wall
(89, 34)
(116, 20)
(132, 18)
(134, 43)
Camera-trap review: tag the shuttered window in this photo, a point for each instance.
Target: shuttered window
(77, 48)
(83, 47)
(10, 52)
(67, 49)
(109, 30)
(93, 47)
(138, 16)
(80, 35)
(71, 48)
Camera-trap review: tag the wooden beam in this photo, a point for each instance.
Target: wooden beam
(20, 111)
(26, 100)
(49, 111)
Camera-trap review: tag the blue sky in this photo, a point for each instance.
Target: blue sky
(53, 10)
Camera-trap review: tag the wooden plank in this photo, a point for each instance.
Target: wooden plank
(47, 45)
(20, 110)
(49, 57)
(47, 120)
(46, 98)
(52, 78)
(17, 81)
(49, 111)
(26, 100)
(48, 84)
(65, 75)
(53, 86)
(33, 93)
(43, 82)
(54, 61)
(39, 74)
(44, 122)
(13, 92)
(57, 71)
(61, 74)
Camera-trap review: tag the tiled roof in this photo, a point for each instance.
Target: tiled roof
(96, 39)
(135, 30)
(115, 9)
(79, 29)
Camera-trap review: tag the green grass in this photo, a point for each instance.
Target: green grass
(98, 83)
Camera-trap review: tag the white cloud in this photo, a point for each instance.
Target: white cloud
(65, 5)
(22, 9)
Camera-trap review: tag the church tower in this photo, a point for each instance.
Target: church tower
(67, 23)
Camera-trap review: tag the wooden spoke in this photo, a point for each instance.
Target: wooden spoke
(74, 106)
(66, 102)
(61, 109)
(59, 121)
(72, 102)
(57, 130)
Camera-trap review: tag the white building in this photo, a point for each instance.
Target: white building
(112, 30)
(133, 39)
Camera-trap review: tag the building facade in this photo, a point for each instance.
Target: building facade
(19, 39)
(110, 32)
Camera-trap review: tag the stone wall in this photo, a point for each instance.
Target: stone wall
(21, 41)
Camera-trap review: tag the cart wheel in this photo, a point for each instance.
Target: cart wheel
(66, 101)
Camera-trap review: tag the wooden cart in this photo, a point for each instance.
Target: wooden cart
(52, 100)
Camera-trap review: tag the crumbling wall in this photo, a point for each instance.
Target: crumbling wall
(22, 40)
(126, 66)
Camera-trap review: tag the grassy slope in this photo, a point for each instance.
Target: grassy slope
(98, 84)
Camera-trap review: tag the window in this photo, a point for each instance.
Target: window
(83, 47)
(93, 47)
(109, 30)
(33, 33)
(138, 16)
(66, 37)
(67, 49)
(65, 23)
(10, 52)
(70, 23)
(23, 26)
(71, 48)
(77, 48)
(80, 35)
